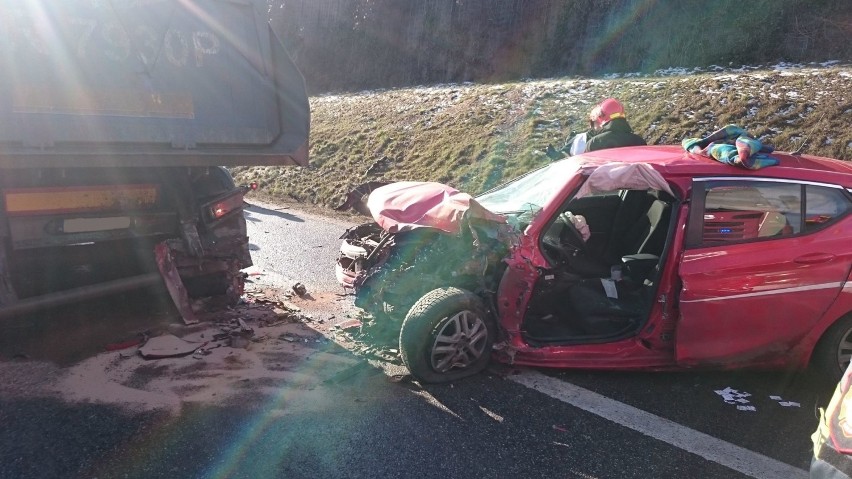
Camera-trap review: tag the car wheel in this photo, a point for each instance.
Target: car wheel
(447, 335)
(834, 350)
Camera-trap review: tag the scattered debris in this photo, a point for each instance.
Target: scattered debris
(398, 378)
(300, 289)
(349, 324)
(783, 403)
(493, 415)
(200, 353)
(732, 396)
(296, 338)
(290, 306)
(168, 346)
(137, 341)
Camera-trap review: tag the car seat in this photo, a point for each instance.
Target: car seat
(645, 235)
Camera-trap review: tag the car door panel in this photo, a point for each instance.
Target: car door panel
(752, 301)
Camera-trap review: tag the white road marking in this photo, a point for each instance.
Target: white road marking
(729, 455)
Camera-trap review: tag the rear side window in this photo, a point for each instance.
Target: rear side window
(733, 211)
(824, 205)
(751, 210)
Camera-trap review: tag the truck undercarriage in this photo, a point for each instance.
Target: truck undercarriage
(72, 234)
(116, 123)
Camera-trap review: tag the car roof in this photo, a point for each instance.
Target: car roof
(674, 161)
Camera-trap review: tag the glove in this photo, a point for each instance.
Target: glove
(553, 153)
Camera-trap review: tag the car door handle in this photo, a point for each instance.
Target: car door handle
(814, 258)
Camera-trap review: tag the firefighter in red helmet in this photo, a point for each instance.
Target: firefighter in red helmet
(609, 127)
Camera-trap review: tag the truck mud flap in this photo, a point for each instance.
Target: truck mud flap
(174, 284)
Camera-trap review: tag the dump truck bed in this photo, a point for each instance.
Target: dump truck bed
(147, 83)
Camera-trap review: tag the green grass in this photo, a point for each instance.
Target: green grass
(476, 136)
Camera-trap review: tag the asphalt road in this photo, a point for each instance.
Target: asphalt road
(362, 423)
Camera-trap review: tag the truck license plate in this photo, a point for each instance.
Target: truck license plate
(84, 225)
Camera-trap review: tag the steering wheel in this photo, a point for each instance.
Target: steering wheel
(564, 238)
(570, 236)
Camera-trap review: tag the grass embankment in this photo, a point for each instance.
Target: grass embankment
(474, 137)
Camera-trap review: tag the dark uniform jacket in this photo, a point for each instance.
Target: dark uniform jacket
(613, 134)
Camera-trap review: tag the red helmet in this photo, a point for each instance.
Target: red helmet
(605, 111)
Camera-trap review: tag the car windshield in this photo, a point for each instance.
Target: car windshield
(531, 191)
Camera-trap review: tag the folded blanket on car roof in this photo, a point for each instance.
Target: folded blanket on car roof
(732, 145)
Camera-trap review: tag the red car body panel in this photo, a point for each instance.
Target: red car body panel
(763, 303)
(695, 326)
(407, 205)
(731, 300)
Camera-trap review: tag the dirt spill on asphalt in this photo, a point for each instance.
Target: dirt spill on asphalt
(274, 347)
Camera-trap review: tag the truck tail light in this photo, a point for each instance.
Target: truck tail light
(220, 208)
(249, 187)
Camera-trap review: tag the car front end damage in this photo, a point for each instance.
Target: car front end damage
(390, 268)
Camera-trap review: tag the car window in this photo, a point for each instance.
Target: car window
(532, 191)
(824, 205)
(751, 210)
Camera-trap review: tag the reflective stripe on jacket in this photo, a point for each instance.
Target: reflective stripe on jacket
(833, 437)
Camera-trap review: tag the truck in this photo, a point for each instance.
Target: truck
(118, 120)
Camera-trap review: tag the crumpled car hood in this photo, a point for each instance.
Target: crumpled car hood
(408, 205)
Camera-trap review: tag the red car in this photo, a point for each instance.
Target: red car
(629, 258)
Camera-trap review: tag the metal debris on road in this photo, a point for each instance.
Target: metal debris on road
(168, 346)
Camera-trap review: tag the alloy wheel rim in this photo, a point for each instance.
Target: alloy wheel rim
(460, 342)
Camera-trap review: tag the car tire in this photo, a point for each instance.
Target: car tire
(457, 322)
(834, 349)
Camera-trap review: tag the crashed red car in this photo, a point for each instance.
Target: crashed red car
(686, 263)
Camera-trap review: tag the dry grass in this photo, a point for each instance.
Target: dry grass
(476, 136)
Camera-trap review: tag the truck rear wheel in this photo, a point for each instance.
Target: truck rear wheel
(447, 335)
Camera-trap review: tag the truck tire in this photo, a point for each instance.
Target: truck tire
(834, 350)
(447, 335)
